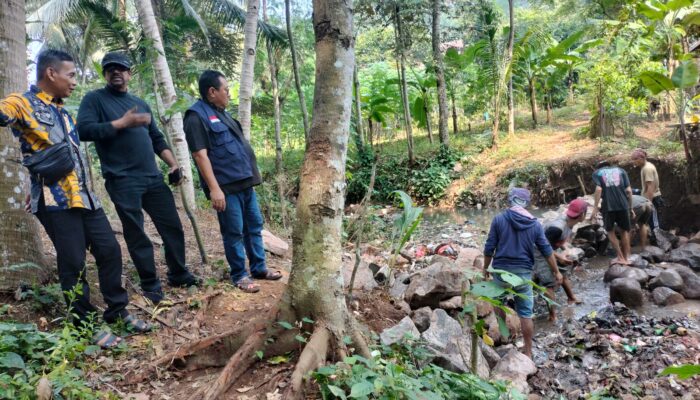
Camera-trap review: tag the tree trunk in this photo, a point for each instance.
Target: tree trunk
(509, 49)
(570, 87)
(533, 101)
(440, 77)
(428, 124)
(454, 114)
(173, 126)
(295, 68)
(370, 133)
(22, 255)
(245, 91)
(549, 108)
(358, 111)
(400, 44)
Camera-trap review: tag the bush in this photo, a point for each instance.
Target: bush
(430, 184)
(398, 373)
(532, 174)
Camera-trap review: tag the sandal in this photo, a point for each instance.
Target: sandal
(106, 339)
(269, 276)
(247, 285)
(136, 325)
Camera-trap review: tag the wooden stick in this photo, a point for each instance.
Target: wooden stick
(162, 321)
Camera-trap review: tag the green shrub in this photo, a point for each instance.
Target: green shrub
(532, 174)
(430, 184)
(399, 373)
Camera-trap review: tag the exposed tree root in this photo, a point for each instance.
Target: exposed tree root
(239, 363)
(358, 340)
(313, 356)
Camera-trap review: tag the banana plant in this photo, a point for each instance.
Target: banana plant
(420, 107)
(404, 226)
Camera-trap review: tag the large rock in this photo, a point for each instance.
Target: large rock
(695, 239)
(421, 317)
(490, 355)
(364, 279)
(399, 286)
(627, 291)
(467, 257)
(450, 347)
(652, 254)
(453, 303)
(637, 261)
(515, 367)
(691, 281)
(665, 240)
(614, 271)
(405, 328)
(669, 279)
(636, 274)
(439, 281)
(273, 244)
(574, 254)
(688, 255)
(664, 296)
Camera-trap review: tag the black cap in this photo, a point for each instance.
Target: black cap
(116, 58)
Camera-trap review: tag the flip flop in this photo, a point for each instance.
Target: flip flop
(247, 285)
(136, 325)
(269, 276)
(106, 339)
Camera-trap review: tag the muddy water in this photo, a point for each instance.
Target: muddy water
(587, 279)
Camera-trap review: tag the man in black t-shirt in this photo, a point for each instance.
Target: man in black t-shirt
(613, 187)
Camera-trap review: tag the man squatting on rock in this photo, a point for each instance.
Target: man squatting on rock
(510, 247)
(559, 232)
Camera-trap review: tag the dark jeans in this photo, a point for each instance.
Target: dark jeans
(132, 194)
(72, 232)
(241, 229)
(659, 204)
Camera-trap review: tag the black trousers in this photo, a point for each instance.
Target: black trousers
(656, 219)
(73, 231)
(130, 196)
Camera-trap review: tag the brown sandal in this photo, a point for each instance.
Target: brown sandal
(247, 285)
(269, 276)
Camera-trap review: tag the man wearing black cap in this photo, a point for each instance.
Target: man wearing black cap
(126, 136)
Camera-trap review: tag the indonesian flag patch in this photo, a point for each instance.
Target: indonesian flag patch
(213, 119)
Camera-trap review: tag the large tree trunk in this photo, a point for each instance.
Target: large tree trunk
(295, 69)
(440, 75)
(533, 101)
(509, 50)
(21, 252)
(245, 91)
(173, 125)
(400, 44)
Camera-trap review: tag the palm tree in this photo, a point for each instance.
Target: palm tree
(20, 245)
(245, 91)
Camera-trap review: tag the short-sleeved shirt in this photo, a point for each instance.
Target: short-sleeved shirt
(649, 174)
(557, 233)
(614, 182)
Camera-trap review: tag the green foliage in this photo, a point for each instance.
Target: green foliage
(682, 371)
(400, 373)
(406, 223)
(532, 174)
(429, 184)
(27, 354)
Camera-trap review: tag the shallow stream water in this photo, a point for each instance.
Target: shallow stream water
(587, 279)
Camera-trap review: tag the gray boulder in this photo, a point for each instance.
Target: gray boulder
(627, 291)
(652, 254)
(664, 296)
(490, 355)
(515, 367)
(669, 279)
(453, 303)
(399, 286)
(636, 274)
(396, 333)
(450, 347)
(614, 271)
(439, 281)
(637, 261)
(653, 271)
(364, 280)
(421, 317)
(665, 240)
(691, 281)
(688, 254)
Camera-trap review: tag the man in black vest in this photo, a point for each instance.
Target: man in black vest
(229, 172)
(126, 136)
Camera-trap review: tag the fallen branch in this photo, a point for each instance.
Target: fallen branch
(405, 255)
(162, 320)
(313, 356)
(239, 363)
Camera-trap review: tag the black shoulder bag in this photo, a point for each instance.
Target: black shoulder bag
(52, 163)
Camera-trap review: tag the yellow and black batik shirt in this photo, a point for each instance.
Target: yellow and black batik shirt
(39, 120)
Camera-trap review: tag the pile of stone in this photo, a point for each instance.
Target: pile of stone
(664, 277)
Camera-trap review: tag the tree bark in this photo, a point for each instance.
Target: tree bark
(400, 44)
(428, 124)
(533, 101)
(549, 108)
(245, 91)
(454, 114)
(315, 287)
(295, 69)
(358, 110)
(22, 255)
(173, 126)
(440, 77)
(509, 49)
